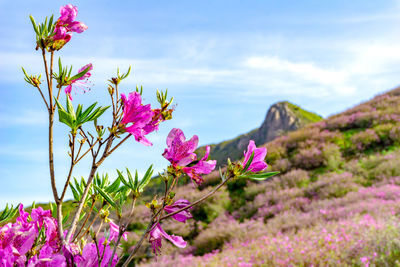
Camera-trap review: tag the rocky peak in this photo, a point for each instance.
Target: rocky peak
(281, 117)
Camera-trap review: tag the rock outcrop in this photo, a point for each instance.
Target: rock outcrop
(281, 118)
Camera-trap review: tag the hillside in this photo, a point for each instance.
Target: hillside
(281, 118)
(336, 203)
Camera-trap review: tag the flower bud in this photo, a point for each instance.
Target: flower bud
(110, 90)
(35, 81)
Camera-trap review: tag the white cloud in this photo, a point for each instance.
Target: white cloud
(260, 70)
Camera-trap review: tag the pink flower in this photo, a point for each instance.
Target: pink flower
(201, 167)
(156, 235)
(179, 151)
(81, 82)
(68, 13)
(65, 25)
(177, 205)
(47, 257)
(139, 115)
(258, 163)
(114, 232)
(18, 238)
(89, 257)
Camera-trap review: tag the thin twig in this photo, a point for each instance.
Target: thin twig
(70, 169)
(120, 143)
(87, 151)
(95, 165)
(139, 243)
(196, 202)
(44, 99)
(86, 219)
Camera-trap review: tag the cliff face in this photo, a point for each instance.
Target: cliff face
(281, 117)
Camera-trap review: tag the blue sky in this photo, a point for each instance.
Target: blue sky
(225, 62)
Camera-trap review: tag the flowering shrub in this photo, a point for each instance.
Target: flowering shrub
(100, 222)
(364, 140)
(354, 120)
(362, 241)
(294, 178)
(309, 158)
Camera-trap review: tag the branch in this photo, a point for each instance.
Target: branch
(120, 143)
(44, 99)
(86, 219)
(197, 201)
(84, 154)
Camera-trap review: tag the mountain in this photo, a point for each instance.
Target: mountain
(281, 118)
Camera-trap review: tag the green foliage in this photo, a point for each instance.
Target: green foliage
(8, 213)
(75, 119)
(43, 30)
(304, 115)
(236, 189)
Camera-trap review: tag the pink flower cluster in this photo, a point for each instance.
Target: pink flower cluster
(17, 239)
(66, 25)
(181, 154)
(33, 241)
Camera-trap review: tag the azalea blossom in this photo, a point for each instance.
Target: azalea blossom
(66, 25)
(139, 115)
(180, 152)
(258, 163)
(201, 167)
(114, 232)
(177, 205)
(81, 82)
(156, 235)
(89, 257)
(18, 238)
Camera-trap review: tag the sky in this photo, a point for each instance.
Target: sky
(225, 63)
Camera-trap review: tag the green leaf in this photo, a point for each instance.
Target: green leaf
(78, 111)
(78, 187)
(131, 183)
(74, 192)
(221, 175)
(82, 215)
(50, 23)
(249, 162)
(146, 178)
(8, 213)
(80, 74)
(125, 182)
(260, 176)
(66, 118)
(53, 210)
(70, 108)
(34, 24)
(114, 186)
(105, 182)
(97, 113)
(106, 197)
(135, 185)
(65, 219)
(86, 112)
